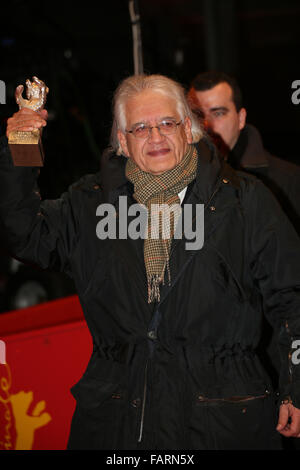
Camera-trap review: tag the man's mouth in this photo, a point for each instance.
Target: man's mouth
(158, 152)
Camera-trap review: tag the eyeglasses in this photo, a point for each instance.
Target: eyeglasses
(165, 127)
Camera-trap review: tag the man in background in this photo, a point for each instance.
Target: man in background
(217, 99)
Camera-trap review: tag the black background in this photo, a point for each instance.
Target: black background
(83, 50)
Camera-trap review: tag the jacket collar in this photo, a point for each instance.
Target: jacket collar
(249, 151)
(211, 168)
(112, 174)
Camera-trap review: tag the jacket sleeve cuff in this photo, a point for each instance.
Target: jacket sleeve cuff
(290, 394)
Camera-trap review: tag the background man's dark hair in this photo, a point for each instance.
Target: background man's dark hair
(207, 80)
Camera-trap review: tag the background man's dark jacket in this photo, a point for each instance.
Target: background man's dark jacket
(280, 176)
(182, 374)
(283, 179)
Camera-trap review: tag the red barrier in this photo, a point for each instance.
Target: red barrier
(47, 348)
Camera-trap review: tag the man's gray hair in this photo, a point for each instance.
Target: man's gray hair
(135, 84)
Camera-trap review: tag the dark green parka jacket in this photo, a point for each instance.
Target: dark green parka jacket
(183, 373)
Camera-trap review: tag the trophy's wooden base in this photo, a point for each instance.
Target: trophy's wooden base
(26, 148)
(27, 154)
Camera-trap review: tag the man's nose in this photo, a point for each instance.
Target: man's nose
(155, 135)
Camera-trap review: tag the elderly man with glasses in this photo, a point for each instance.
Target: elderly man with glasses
(175, 330)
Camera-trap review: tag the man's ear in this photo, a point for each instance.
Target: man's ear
(188, 130)
(242, 118)
(123, 143)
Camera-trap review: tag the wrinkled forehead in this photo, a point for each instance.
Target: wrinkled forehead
(150, 105)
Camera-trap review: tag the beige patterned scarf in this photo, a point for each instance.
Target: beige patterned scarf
(152, 191)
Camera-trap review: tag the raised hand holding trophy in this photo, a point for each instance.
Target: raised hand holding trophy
(26, 146)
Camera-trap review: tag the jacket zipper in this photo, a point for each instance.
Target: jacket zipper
(217, 187)
(143, 405)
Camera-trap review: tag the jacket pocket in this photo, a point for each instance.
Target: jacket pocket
(102, 380)
(98, 422)
(101, 406)
(202, 399)
(239, 421)
(90, 394)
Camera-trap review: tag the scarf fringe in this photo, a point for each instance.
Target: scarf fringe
(153, 288)
(154, 284)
